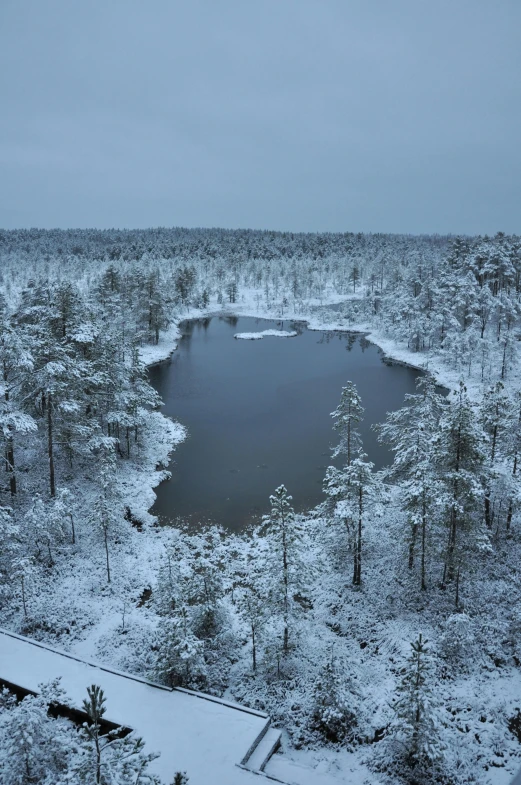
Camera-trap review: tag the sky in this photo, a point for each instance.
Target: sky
(297, 115)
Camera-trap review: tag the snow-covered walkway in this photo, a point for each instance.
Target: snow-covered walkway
(203, 736)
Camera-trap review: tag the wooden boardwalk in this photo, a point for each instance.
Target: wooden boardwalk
(214, 741)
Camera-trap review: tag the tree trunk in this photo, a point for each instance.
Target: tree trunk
(412, 544)
(357, 571)
(23, 596)
(9, 447)
(286, 601)
(511, 501)
(9, 453)
(105, 531)
(449, 562)
(98, 757)
(488, 519)
(50, 445)
(424, 529)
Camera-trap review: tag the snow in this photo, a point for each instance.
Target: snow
(203, 736)
(320, 769)
(264, 750)
(265, 333)
(152, 354)
(385, 624)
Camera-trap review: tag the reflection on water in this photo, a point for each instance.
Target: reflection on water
(258, 414)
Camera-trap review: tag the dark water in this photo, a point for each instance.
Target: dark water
(258, 414)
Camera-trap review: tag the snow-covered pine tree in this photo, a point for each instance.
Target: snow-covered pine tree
(498, 420)
(334, 704)
(11, 546)
(180, 653)
(55, 381)
(180, 778)
(15, 360)
(282, 535)
(44, 527)
(109, 759)
(513, 451)
(105, 516)
(155, 306)
(34, 747)
(410, 432)
(23, 571)
(458, 456)
(415, 736)
(253, 596)
(362, 487)
(348, 414)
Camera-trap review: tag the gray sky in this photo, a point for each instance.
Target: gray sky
(306, 115)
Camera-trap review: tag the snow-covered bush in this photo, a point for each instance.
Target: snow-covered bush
(457, 638)
(335, 709)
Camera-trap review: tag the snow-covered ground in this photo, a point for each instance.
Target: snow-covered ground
(265, 334)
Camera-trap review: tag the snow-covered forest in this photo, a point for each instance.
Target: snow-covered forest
(382, 628)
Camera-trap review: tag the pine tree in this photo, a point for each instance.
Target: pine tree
(180, 778)
(361, 484)
(55, 381)
(253, 598)
(180, 658)
(334, 705)
(513, 451)
(458, 455)
(43, 525)
(416, 729)
(410, 431)
(109, 759)
(281, 531)
(155, 306)
(497, 418)
(11, 546)
(105, 516)
(35, 748)
(348, 414)
(15, 360)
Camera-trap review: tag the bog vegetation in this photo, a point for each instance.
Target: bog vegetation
(386, 621)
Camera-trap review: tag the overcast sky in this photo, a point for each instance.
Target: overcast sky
(305, 115)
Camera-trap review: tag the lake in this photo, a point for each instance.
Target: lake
(258, 414)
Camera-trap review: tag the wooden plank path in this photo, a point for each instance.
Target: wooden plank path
(214, 741)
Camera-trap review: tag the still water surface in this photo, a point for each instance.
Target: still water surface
(258, 414)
